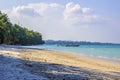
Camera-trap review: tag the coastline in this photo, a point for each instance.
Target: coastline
(96, 66)
(111, 60)
(108, 59)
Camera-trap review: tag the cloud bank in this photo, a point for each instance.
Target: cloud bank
(56, 21)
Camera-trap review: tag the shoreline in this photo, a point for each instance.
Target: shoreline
(106, 59)
(112, 60)
(100, 68)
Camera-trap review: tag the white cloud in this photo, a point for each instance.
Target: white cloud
(43, 8)
(68, 14)
(53, 19)
(24, 10)
(72, 8)
(75, 14)
(86, 10)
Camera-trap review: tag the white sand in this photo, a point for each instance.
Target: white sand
(10, 71)
(55, 65)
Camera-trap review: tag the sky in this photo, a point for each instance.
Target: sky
(77, 20)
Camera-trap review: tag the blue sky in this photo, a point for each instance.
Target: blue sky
(81, 20)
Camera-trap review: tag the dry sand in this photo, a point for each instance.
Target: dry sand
(54, 63)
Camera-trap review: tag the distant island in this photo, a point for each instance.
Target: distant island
(14, 34)
(64, 43)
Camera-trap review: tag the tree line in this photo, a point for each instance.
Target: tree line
(62, 42)
(14, 34)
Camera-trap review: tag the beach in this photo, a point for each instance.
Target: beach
(55, 65)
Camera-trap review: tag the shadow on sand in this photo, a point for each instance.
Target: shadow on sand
(53, 71)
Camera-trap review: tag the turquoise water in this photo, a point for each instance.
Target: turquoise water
(103, 51)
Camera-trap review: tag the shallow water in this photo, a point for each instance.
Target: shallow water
(102, 51)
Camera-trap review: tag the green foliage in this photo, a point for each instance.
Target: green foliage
(17, 35)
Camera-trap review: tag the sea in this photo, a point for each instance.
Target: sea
(100, 51)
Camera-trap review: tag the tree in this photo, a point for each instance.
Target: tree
(17, 35)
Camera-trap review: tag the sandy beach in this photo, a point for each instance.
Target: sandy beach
(54, 65)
